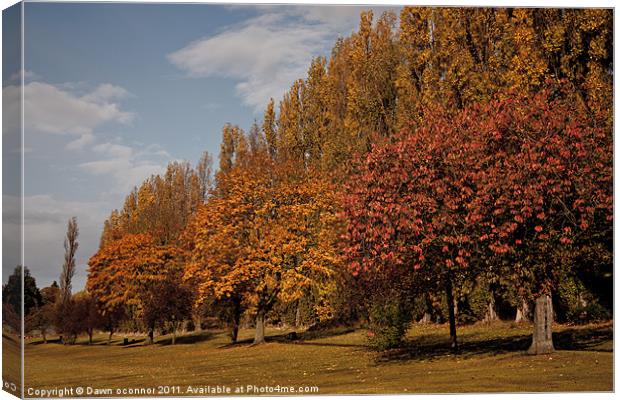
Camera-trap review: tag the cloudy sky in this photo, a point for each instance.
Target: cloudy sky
(113, 92)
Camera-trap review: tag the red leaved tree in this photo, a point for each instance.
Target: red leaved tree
(522, 181)
(546, 185)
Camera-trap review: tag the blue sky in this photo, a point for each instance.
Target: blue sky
(115, 91)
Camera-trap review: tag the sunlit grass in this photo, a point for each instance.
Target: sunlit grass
(492, 359)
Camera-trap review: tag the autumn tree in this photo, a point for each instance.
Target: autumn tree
(162, 204)
(269, 129)
(371, 98)
(136, 271)
(204, 169)
(408, 209)
(547, 185)
(262, 238)
(513, 182)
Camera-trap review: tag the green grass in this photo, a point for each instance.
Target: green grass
(491, 359)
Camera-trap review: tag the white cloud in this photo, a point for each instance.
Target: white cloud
(50, 109)
(267, 53)
(81, 142)
(106, 92)
(56, 110)
(114, 150)
(28, 75)
(125, 165)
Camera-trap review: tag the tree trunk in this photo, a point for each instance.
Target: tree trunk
(542, 342)
(151, 336)
(426, 318)
(174, 334)
(44, 336)
(259, 336)
(298, 316)
(523, 312)
(451, 314)
(234, 333)
(90, 336)
(197, 323)
(110, 337)
(235, 322)
(491, 313)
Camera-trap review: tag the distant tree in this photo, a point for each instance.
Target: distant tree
(86, 315)
(205, 174)
(64, 307)
(269, 129)
(44, 316)
(68, 267)
(167, 303)
(12, 291)
(161, 205)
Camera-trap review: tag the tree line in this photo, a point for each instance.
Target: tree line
(456, 167)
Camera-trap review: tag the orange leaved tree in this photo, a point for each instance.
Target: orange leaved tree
(134, 272)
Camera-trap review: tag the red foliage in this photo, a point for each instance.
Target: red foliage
(485, 181)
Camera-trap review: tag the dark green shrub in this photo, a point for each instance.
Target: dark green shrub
(390, 318)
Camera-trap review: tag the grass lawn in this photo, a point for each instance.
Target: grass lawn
(491, 359)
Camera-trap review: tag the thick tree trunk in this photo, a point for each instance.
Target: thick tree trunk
(44, 336)
(523, 312)
(90, 336)
(174, 334)
(259, 336)
(198, 324)
(110, 337)
(542, 342)
(451, 314)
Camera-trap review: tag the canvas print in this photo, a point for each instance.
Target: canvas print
(296, 199)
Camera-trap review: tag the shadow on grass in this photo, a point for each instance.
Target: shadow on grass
(133, 341)
(187, 339)
(433, 346)
(40, 341)
(583, 339)
(302, 339)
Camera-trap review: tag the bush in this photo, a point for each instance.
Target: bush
(390, 318)
(590, 313)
